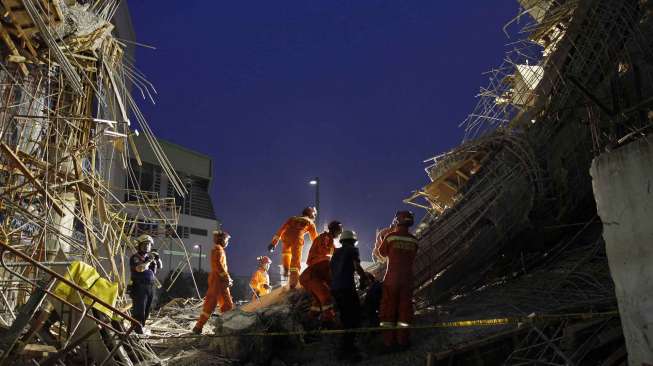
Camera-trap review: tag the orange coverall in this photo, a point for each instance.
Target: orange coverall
(218, 292)
(292, 235)
(400, 247)
(316, 279)
(260, 278)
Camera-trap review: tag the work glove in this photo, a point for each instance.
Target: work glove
(271, 248)
(364, 281)
(266, 286)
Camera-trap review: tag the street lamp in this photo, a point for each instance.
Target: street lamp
(199, 260)
(316, 182)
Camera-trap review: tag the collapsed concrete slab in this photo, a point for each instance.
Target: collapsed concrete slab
(622, 187)
(285, 311)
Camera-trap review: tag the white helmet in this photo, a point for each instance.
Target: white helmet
(348, 235)
(145, 239)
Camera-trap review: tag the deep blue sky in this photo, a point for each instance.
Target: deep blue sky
(358, 93)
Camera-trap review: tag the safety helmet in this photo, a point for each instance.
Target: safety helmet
(144, 239)
(264, 260)
(335, 226)
(404, 218)
(348, 235)
(309, 212)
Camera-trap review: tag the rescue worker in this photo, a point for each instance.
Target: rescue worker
(400, 248)
(316, 278)
(260, 282)
(144, 265)
(346, 261)
(219, 281)
(292, 235)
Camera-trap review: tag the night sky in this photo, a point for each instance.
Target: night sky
(358, 93)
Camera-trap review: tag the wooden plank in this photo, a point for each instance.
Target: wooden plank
(26, 172)
(12, 47)
(462, 175)
(104, 219)
(37, 350)
(84, 205)
(277, 295)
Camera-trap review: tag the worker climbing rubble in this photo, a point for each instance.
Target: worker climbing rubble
(144, 265)
(316, 279)
(400, 248)
(292, 234)
(218, 292)
(260, 282)
(344, 263)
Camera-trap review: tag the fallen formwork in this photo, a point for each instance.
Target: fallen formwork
(65, 232)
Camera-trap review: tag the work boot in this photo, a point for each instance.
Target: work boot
(328, 319)
(293, 280)
(197, 330)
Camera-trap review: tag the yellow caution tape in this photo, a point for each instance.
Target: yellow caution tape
(451, 324)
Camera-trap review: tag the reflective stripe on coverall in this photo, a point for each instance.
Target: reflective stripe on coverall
(218, 292)
(316, 279)
(260, 278)
(400, 247)
(292, 235)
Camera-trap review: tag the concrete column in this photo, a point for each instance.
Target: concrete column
(623, 189)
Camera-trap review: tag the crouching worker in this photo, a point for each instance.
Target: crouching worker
(344, 263)
(400, 247)
(260, 282)
(219, 281)
(143, 265)
(316, 279)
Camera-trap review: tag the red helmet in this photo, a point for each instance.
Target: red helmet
(404, 218)
(264, 260)
(309, 211)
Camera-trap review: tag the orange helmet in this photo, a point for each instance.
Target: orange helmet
(309, 211)
(264, 260)
(404, 218)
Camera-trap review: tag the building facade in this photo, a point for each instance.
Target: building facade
(181, 227)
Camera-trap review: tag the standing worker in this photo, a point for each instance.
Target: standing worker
(219, 281)
(400, 248)
(292, 235)
(260, 282)
(316, 279)
(346, 261)
(144, 265)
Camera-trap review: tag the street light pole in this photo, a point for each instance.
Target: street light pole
(199, 260)
(316, 182)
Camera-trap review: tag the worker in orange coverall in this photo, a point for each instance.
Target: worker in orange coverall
(219, 281)
(400, 248)
(316, 279)
(292, 235)
(260, 282)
